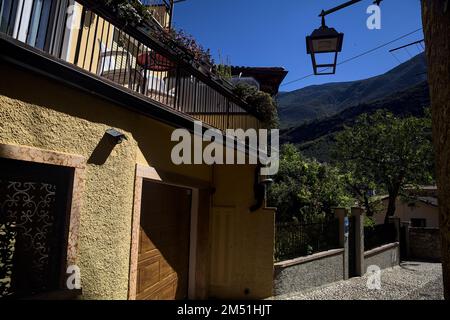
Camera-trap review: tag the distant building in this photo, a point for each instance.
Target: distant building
(266, 79)
(421, 211)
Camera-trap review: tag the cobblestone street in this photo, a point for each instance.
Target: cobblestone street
(409, 281)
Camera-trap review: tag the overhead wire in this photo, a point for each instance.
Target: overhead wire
(398, 60)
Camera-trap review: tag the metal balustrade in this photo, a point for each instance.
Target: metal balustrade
(87, 35)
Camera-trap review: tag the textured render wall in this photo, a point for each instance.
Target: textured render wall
(425, 243)
(387, 256)
(308, 272)
(242, 242)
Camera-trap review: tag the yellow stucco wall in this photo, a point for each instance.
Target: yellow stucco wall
(244, 121)
(42, 113)
(242, 241)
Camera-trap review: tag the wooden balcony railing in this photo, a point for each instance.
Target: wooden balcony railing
(90, 36)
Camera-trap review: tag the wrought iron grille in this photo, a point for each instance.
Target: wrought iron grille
(27, 216)
(32, 233)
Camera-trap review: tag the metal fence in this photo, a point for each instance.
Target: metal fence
(294, 240)
(89, 36)
(379, 235)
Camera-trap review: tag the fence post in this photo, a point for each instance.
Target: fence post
(341, 215)
(396, 222)
(358, 214)
(406, 225)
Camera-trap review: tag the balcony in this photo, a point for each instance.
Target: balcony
(90, 36)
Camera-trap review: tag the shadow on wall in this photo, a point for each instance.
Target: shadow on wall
(103, 150)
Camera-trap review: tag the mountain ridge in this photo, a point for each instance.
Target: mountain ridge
(321, 101)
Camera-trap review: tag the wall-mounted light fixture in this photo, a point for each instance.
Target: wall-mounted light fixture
(260, 187)
(116, 135)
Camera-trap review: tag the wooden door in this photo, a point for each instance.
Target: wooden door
(163, 261)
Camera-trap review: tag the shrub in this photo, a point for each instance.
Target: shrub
(263, 105)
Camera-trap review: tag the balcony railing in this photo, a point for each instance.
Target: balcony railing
(91, 37)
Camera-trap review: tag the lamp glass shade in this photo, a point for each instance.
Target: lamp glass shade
(325, 45)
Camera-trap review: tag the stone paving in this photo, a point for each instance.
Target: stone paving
(409, 281)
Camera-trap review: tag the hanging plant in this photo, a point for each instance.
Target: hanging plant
(186, 42)
(131, 12)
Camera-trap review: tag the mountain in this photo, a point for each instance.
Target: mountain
(315, 138)
(319, 101)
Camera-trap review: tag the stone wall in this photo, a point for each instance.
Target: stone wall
(424, 243)
(308, 272)
(384, 257)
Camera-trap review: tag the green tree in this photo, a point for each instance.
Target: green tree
(361, 187)
(305, 190)
(388, 152)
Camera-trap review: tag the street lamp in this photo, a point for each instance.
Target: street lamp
(324, 40)
(328, 40)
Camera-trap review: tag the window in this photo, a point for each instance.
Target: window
(34, 221)
(8, 8)
(418, 223)
(34, 22)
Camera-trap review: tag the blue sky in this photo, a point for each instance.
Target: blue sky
(272, 33)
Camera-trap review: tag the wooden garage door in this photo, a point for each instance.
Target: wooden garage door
(163, 262)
